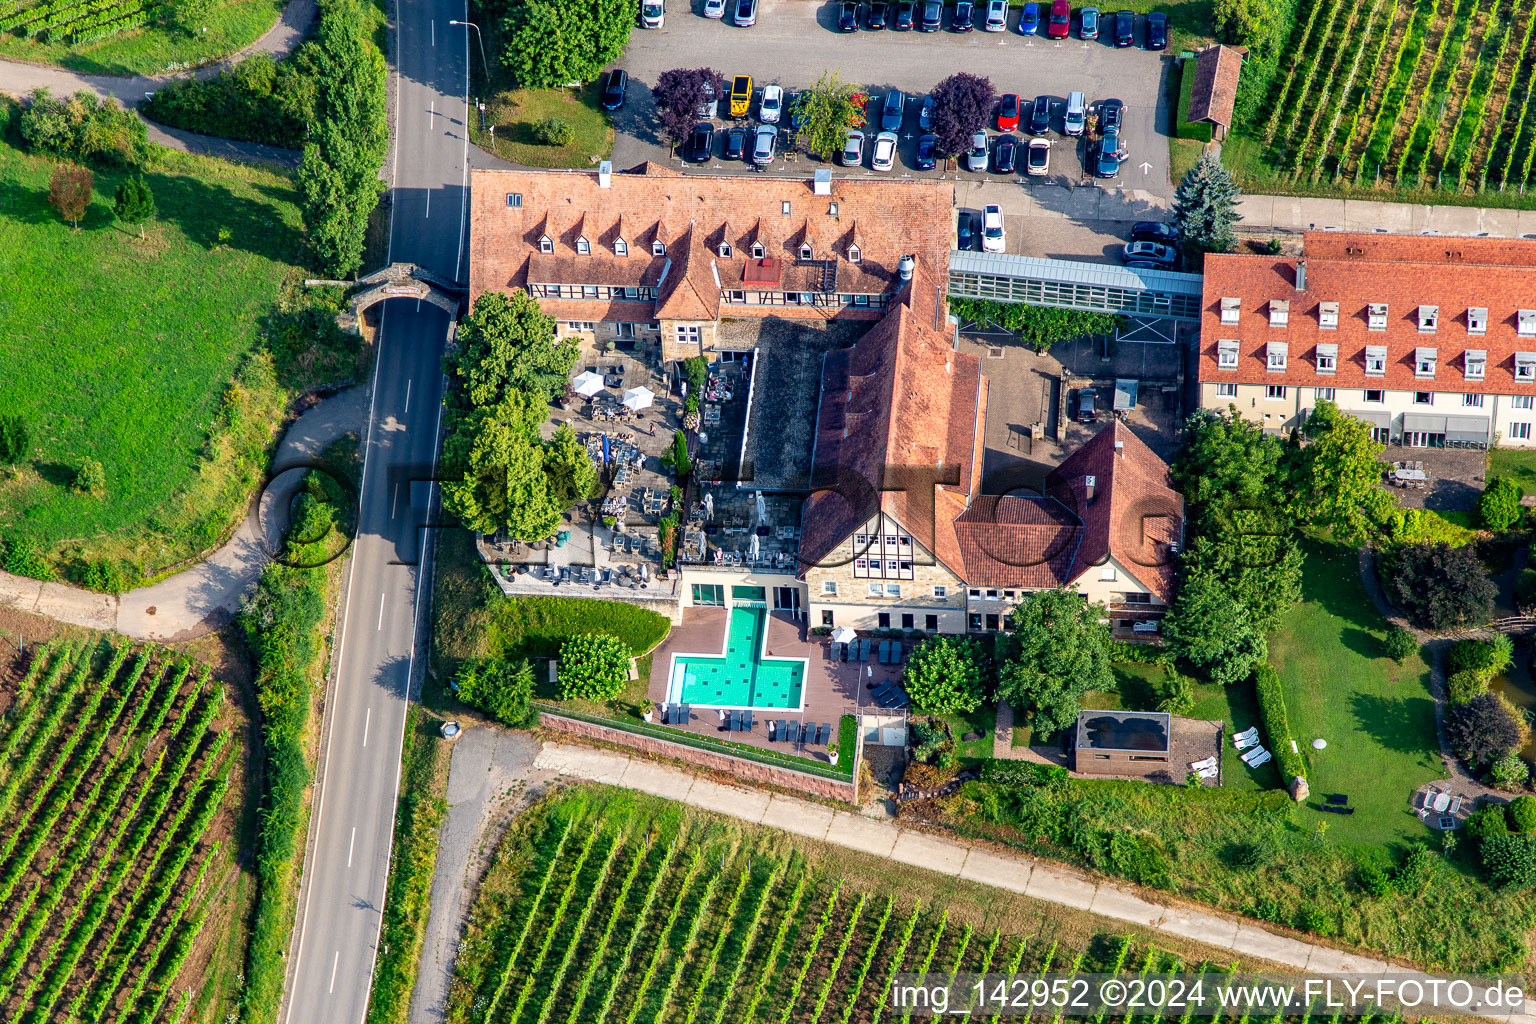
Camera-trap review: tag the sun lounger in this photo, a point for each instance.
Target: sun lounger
(1203, 763)
(1245, 742)
(1265, 756)
(825, 735)
(1455, 806)
(746, 721)
(794, 732)
(1336, 799)
(1254, 755)
(1240, 739)
(1208, 773)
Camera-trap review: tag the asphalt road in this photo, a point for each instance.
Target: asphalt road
(795, 41)
(382, 641)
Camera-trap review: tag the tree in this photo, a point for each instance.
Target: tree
(1509, 860)
(1226, 461)
(90, 478)
(593, 666)
(571, 472)
(962, 106)
(1039, 327)
(134, 203)
(15, 439)
(1255, 556)
(1058, 651)
(1205, 206)
(1245, 22)
(1212, 630)
(503, 483)
(69, 191)
(549, 43)
(83, 127)
(1484, 729)
(499, 687)
(1499, 506)
(1334, 481)
(1440, 586)
(678, 94)
(943, 675)
(1401, 644)
(827, 110)
(507, 344)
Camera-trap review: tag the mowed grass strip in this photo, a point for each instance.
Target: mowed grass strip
(514, 113)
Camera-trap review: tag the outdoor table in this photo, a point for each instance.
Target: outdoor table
(1410, 474)
(1442, 801)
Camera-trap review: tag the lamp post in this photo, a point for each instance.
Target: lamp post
(485, 65)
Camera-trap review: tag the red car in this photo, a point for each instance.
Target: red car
(1008, 112)
(1061, 20)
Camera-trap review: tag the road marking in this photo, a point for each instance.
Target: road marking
(431, 115)
(350, 843)
(434, 33)
(367, 717)
(408, 391)
(336, 961)
(381, 614)
(394, 501)
(429, 213)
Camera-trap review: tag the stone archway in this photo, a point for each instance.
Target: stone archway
(400, 281)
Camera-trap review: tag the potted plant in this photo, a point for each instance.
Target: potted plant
(832, 753)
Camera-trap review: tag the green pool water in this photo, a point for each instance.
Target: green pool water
(744, 677)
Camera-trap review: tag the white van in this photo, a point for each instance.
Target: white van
(1077, 112)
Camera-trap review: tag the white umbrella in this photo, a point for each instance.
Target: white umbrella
(752, 548)
(709, 506)
(762, 509)
(843, 635)
(639, 398)
(703, 545)
(588, 384)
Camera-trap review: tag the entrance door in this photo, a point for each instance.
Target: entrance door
(787, 599)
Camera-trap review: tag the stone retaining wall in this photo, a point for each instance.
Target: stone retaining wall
(737, 767)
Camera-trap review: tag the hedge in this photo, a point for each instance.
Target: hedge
(1201, 131)
(1272, 709)
(535, 627)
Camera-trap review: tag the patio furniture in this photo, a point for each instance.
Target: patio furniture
(1442, 801)
(1245, 742)
(885, 651)
(1208, 773)
(1253, 755)
(1203, 763)
(746, 721)
(863, 648)
(1409, 476)
(794, 732)
(1455, 806)
(1265, 756)
(1336, 799)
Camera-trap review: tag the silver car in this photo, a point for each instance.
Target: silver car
(853, 149)
(763, 143)
(997, 15)
(976, 156)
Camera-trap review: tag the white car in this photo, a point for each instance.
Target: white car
(992, 229)
(1038, 157)
(770, 106)
(884, 156)
(853, 149)
(714, 8)
(997, 15)
(652, 13)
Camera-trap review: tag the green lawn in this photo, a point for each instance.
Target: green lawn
(1514, 462)
(129, 352)
(157, 48)
(514, 113)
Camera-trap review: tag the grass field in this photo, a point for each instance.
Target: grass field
(114, 816)
(1515, 463)
(514, 113)
(128, 37)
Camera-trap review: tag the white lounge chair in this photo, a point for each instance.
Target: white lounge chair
(1263, 757)
(1244, 741)
(1203, 763)
(1208, 773)
(1254, 754)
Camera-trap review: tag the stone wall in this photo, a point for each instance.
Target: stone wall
(736, 767)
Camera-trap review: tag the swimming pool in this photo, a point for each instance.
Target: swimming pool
(743, 675)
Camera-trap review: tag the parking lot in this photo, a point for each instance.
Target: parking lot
(795, 41)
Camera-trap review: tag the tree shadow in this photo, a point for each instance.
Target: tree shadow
(1367, 645)
(55, 473)
(201, 210)
(1395, 723)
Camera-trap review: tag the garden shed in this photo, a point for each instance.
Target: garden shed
(1215, 88)
(1123, 742)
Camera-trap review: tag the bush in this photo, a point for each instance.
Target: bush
(258, 100)
(15, 440)
(1022, 773)
(1522, 813)
(1039, 327)
(1311, 919)
(593, 666)
(1266, 684)
(1417, 871)
(1489, 821)
(83, 128)
(500, 688)
(1463, 686)
(1271, 247)
(1499, 506)
(1484, 658)
(943, 675)
(22, 559)
(1509, 860)
(106, 576)
(1485, 728)
(1440, 586)
(1139, 858)
(553, 131)
(90, 478)
(1374, 879)
(1510, 772)
(1401, 644)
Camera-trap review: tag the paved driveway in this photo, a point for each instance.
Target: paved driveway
(795, 41)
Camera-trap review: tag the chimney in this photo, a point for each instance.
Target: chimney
(1088, 484)
(1301, 275)
(822, 184)
(605, 174)
(904, 267)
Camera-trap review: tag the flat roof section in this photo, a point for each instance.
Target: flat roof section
(1135, 731)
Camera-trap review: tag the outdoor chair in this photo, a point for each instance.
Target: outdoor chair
(1245, 742)
(1203, 763)
(1253, 755)
(1251, 732)
(1455, 806)
(1264, 757)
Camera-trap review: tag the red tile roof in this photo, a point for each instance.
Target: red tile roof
(1456, 275)
(1012, 541)
(1215, 89)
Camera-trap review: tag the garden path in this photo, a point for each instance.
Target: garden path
(207, 595)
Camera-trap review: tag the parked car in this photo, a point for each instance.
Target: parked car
(1125, 28)
(1005, 154)
(1088, 23)
(997, 15)
(771, 105)
(714, 8)
(883, 156)
(876, 17)
(976, 156)
(746, 13)
(925, 115)
(965, 11)
(736, 144)
(1038, 160)
(701, 144)
(1106, 161)
(1157, 31)
(1029, 19)
(933, 16)
(1151, 252)
(904, 14)
(1008, 112)
(614, 89)
(965, 232)
(1111, 115)
(992, 228)
(927, 152)
(891, 111)
(706, 109)
(796, 111)
(853, 149)
(652, 13)
(741, 96)
(1040, 116)
(1061, 19)
(1154, 231)
(1076, 117)
(763, 144)
(848, 16)
(1087, 405)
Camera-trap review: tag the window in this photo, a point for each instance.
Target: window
(973, 621)
(907, 622)
(1275, 355)
(1525, 366)
(1226, 390)
(1474, 362)
(1429, 318)
(991, 595)
(1231, 309)
(1009, 595)
(1423, 398)
(931, 623)
(1376, 360)
(1526, 323)
(758, 251)
(1375, 395)
(1226, 354)
(1328, 315)
(1522, 402)
(940, 591)
(514, 199)
(862, 563)
(1135, 598)
(736, 297)
(725, 250)
(711, 594)
(589, 291)
(1276, 391)
(1107, 573)
(1520, 431)
(876, 590)
(829, 587)
(1477, 320)
(583, 246)
(546, 244)
(826, 616)
(784, 207)
(884, 620)
(688, 333)
(1279, 312)
(658, 248)
(861, 300)
(854, 255)
(805, 252)
(620, 247)
(1327, 358)
(1325, 394)
(974, 592)
(992, 623)
(893, 590)
(1376, 316)
(1424, 360)
(1472, 401)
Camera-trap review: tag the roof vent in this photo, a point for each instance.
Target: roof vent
(1301, 275)
(822, 183)
(904, 267)
(605, 174)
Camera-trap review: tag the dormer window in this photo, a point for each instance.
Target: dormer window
(854, 255)
(805, 252)
(1328, 315)
(1424, 360)
(1477, 320)
(1231, 309)
(658, 248)
(1275, 356)
(832, 209)
(1526, 323)
(758, 252)
(725, 250)
(1525, 367)
(1474, 363)
(583, 246)
(620, 247)
(784, 207)
(546, 244)
(1429, 318)
(1226, 354)
(1327, 358)
(514, 199)
(1279, 312)
(1376, 316)
(1375, 360)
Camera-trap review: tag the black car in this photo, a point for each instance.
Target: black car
(1125, 28)
(927, 152)
(876, 19)
(614, 89)
(965, 235)
(1005, 154)
(1111, 115)
(736, 144)
(933, 16)
(962, 18)
(891, 111)
(701, 144)
(904, 13)
(1157, 31)
(1154, 231)
(1040, 116)
(1087, 405)
(848, 17)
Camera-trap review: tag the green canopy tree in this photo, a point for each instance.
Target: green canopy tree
(503, 483)
(1255, 556)
(827, 111)
(943, 675)
(571, 471)
(507, 344)
(1205, 206)
(1333, 481)
(499, 687)
(593, 666)
(134, 202)
(548, 43)
(1499, 506)
(1210, 628)
(1226, 461)
(15, 439)
(1058, 650)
